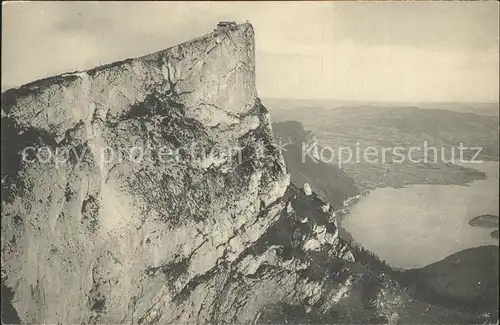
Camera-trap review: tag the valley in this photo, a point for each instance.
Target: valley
(430, 226)
(375, 129)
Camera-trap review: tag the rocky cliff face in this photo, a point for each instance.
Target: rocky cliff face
(150, 191)
(133, 192)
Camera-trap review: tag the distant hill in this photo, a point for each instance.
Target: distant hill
(405, 127)
(408, 125)
(465, 281)
(487, 109)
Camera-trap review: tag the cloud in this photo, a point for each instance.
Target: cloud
(426, 24)
(83, 22)
(366, 51)
(353, 71)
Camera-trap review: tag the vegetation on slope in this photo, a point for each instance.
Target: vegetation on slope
(467, 280)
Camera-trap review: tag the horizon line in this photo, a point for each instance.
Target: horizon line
(497, 102)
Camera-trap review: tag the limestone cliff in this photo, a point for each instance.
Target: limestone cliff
(150, 191)
(107, 229)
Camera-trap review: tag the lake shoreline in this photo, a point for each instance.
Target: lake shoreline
(439, 226)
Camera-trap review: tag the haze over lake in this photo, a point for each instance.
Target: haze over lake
(426, 223)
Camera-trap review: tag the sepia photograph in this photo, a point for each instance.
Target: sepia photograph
(250, 162)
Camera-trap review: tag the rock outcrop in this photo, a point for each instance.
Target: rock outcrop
(150, 191)
(307, 189)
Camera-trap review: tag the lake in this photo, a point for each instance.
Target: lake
(421, 224)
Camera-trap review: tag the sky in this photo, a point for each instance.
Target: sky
(362, 51)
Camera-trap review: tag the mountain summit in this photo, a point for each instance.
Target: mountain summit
(150, 191)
